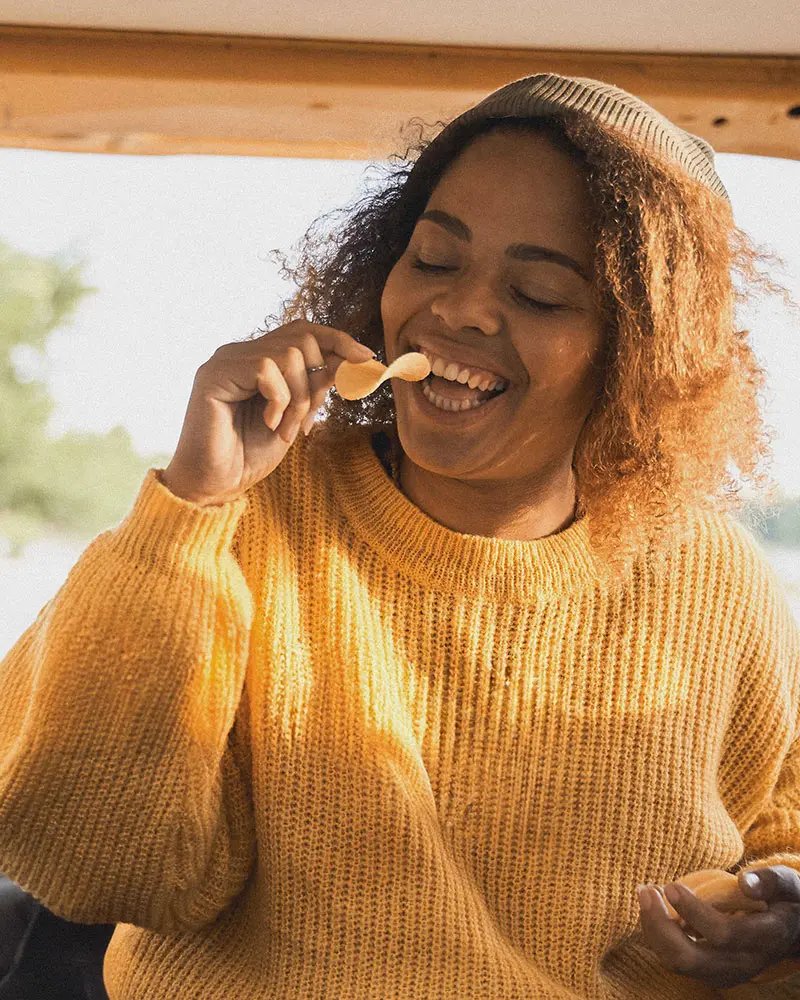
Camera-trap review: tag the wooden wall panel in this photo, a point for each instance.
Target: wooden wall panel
(151, 92)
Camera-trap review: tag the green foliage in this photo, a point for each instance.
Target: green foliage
(81, 483)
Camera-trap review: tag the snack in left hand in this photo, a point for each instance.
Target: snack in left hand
(354, 380)
(721, 890)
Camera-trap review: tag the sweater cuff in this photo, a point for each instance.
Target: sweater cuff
(162, 528)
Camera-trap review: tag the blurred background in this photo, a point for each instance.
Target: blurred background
(122, 274)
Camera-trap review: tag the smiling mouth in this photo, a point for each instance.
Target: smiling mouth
(432, 381)
(505, 382)
(451, 397)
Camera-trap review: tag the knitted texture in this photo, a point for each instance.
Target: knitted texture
(551, 93)
(311, 743)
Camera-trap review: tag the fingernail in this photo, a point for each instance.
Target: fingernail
(753, 883)
(644, 897)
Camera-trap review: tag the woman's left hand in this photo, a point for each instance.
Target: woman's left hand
(735, 948)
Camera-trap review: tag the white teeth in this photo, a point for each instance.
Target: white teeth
(450, 404)
(452, 371)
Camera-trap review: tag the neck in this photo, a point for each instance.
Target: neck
(542, 505)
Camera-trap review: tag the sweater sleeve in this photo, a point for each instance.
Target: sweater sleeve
(772, 837)
(125, 793)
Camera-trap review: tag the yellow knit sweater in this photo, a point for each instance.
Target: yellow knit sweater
(313, 744)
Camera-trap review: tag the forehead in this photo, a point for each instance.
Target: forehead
(520, 168)
(512, 186)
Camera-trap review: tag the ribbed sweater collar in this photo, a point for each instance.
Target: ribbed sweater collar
(446, 560)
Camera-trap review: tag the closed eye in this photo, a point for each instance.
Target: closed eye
(423, 266)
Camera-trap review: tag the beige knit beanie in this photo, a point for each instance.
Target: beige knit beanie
(549, 93)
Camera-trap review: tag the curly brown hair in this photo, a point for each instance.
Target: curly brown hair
(680, 399)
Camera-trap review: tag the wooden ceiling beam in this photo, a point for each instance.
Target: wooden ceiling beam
(160, 93)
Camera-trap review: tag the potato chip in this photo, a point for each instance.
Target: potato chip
(355, 380)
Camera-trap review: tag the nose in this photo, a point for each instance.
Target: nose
(467, 303)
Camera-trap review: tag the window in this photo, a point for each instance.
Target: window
(176, 253)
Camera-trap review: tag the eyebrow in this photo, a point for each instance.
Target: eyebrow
(520, 251)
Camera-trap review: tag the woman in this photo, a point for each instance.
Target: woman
(410, 706)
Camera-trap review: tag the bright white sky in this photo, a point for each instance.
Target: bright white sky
(179, 249)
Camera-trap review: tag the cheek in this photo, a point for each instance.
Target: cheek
(391, 298)
(549, 365)
(582, 384)
(401, 297)
(562, 366)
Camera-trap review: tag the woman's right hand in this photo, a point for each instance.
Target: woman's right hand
(247, 404)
